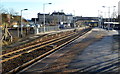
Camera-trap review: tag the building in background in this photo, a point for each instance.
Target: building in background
(53, 19)
(58, 17)
(83, 21)
(41, 18)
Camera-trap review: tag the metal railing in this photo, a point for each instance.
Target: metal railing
(46, 29)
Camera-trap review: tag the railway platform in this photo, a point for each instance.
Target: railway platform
(95, 52)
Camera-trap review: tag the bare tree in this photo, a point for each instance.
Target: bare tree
(2, 9)
(10, 11)
(6, 36)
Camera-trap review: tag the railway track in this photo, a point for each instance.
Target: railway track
(16, 60)
(40, 39)
(17, 53)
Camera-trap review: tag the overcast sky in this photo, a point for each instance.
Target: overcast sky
(78, 7)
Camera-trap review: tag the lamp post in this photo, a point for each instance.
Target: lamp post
(108, 15)
(104, 14)
(74, 20)
(21, 22)
(44, 14)
(99, 18)
(114, 14)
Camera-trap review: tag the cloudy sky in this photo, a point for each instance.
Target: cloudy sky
(78, 7)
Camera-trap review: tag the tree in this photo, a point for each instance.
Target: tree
(10, 11)
(5, 21)
(3, 10)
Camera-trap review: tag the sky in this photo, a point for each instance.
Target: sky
(85, 8)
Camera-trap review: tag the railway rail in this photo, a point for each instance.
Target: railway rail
(40, 39)
(17, 53)
(16, 60)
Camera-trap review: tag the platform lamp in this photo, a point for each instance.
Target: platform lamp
(44, 14)
(21, 22)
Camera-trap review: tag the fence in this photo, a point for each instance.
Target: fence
(46, 29)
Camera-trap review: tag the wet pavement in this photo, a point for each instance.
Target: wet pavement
(97, 52)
